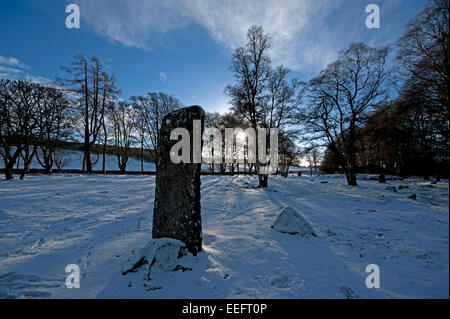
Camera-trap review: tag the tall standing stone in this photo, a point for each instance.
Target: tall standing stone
(177, 212)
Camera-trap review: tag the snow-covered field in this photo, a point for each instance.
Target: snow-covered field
(98, 222)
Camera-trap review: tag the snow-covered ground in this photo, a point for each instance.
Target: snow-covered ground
(99, 222)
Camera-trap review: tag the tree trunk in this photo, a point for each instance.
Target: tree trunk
(8, 171)
(88, 163)
(49, 164)
(104, 155)
(351, 178)
(263, 179)
(27, 160)
(47, 159)
(87, 157)
(350, 170)
(104, 160)
(142, 156)
(8, 174)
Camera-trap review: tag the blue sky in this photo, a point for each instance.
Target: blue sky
(184, 47)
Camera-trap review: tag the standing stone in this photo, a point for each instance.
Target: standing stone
(177, 212)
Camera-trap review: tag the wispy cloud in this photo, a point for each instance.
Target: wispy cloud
(163, 77)
(11, 68)
(306, 35)
(12, 62)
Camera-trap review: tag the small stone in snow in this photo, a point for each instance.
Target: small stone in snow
(391, 188)
(289, 221)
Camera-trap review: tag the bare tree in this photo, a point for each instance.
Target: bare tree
(340, 98)
(54, 126)
(263, 97)
(93, 88)
(312, 156)
(213, 120)
(32, 140)
(123, 118)
(287, 153)
(282, 99)
(61, 158)
(152, 108)
(424, 54)
(140, 128)
(110, 91)
(251, 68)
(19, 101)
(233, 120)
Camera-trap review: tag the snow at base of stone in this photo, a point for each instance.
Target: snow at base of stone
(150, 268)
(158, 255)
(289, 221)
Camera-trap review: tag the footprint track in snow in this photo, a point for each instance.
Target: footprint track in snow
(15, 285)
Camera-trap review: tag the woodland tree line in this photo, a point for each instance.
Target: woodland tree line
(408, 134)
(374, 110)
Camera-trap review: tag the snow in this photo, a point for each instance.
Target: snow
(103, 223)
